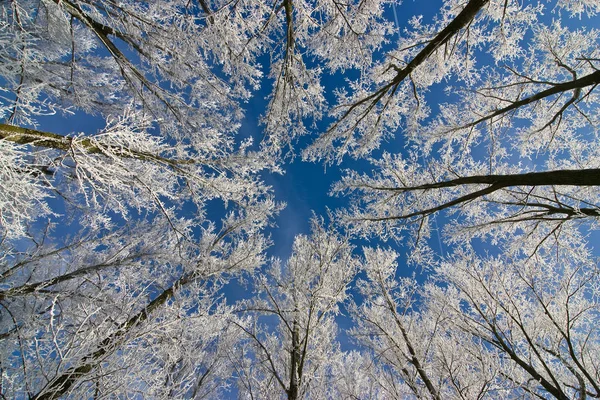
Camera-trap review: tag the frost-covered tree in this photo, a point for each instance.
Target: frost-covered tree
(514, 149)
(90, 313)
(533, 319)
(291, 348)
(508, 170)
(186, 65)
(484, 327)
(113, 256)
(482, 48)
(170, 119)
(168, 77)
(413, 348)
(108, 246)
(97, 314)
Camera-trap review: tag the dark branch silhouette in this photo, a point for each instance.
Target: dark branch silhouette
(462, 20)
(592, 79)
(583, 177)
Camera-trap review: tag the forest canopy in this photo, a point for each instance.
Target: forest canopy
(457, 262)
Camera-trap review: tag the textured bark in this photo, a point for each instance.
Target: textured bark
(33, 137)
(29, 288)
(292, 392)
(567, 177)
(458, 23)
(26, 136)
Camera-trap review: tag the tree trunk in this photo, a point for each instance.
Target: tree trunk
(295, 359)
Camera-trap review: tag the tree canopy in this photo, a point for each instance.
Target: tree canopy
(461, 265)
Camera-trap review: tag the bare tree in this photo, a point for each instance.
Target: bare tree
(291, 344)
(98, 314)
(537, 316)
(485, 327)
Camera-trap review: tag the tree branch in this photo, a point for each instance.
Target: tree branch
(576, 84)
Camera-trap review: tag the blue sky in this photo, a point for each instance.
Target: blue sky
(305, 186)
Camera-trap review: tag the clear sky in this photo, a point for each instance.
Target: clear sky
(305, 186)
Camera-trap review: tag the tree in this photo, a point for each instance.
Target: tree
(167, 78)
(512, 160)
(354, 377)
(73, 316)
(141, 258)
(424, 56)
(485, 327)
(160, 147)
(417, 354)
(291, 348)
(515, 150)
(537, 316)
(181, 67)
(541, 205)
(114, 258)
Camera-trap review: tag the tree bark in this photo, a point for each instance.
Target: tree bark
(295, 358)
(33, 137)
(459, 22)
(566, 177)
